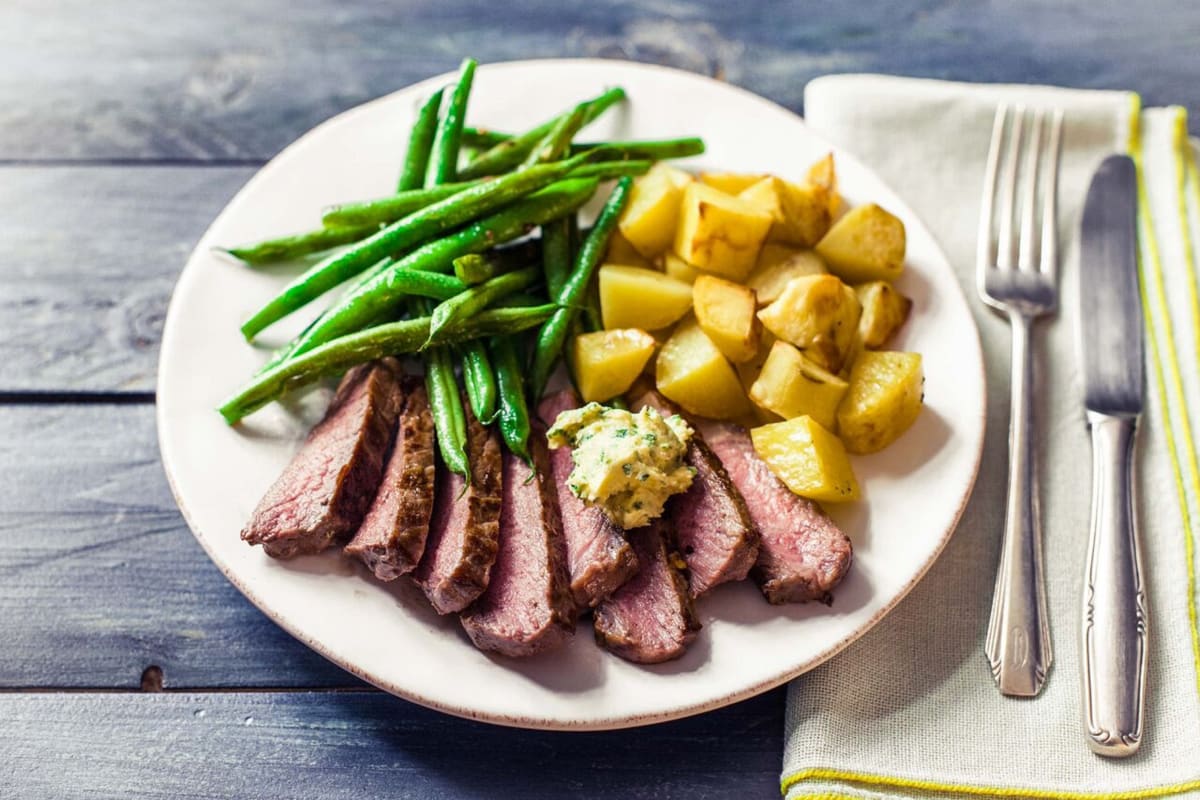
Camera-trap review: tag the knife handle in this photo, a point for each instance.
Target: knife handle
(1114, 597)
(1018, 636)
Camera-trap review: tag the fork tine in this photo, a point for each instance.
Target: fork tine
(1049, 254)
(983, 256)
(1033, 157)
(1005, 255)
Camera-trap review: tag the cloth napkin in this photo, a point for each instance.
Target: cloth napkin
(911, 710)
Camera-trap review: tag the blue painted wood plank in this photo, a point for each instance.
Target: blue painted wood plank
(227, 79)
(100, 577)
(354, 745)
(88, 259)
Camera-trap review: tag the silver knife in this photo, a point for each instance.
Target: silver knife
(1114, 594)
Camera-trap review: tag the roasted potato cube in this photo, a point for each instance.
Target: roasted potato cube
(608, 362)
(818, 314)
(691, 371)
(884, 310)
(865, 245)
(726, 312)
(777, 264)
(679, 269)
(633, 297)
(823, 174)
(885, 396)
(792, 386)
(808, 458)
(719, 233)
(652, 215)
(620, 251)
(799, 213)
(731, 182)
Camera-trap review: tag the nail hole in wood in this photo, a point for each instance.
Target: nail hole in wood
(152, 679)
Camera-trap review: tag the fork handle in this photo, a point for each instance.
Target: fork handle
(1018, 638)
(1114, 597)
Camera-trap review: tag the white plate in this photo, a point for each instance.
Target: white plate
(914, 491)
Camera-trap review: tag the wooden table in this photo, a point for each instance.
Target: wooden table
(128, 665)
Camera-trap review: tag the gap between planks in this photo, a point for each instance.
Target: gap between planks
(133, 162)
(78, 398)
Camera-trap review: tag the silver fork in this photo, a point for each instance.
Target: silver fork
(1019, 279)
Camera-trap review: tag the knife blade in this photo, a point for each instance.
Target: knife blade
(1113, 643)
(1111, 311)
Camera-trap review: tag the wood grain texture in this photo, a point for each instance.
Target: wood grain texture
(228, 79)
(353, 745)
(88, 258)
(100, 577)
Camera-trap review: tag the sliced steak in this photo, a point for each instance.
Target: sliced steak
(463, 532)
(651, 618)
(598, 556)
(324, 492)
(713, 528)
(392, 536)
(803, 554)
(527, 607)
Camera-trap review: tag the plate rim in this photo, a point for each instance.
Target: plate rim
(545, 723)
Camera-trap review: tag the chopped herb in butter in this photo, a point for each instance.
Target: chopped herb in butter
(626, 463)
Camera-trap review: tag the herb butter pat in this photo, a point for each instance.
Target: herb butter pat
(627, 464)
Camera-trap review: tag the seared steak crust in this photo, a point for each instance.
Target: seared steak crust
(803, 554)
(465, 526)
(527, 607)
(598, 556)
(651, 618)
(713, 528)
(392, 536)
(324, 492)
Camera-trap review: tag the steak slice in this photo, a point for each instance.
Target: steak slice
(527, 607)
(324, 492)
(392, 536)
(803, 554)
(713, 528)
(651, 618)
(463, 532)
(598, 556)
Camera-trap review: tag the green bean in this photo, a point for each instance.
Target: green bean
(286, 248)
(386, 210)
(443, 158)
(480, 380)
(420, 142)
(477, 298)
(449, 418)
(554, 332)
(410, 231)
(513, 413)
(511, 152)
(412, 283)
(482, 138)
(381, 293)
(652, 149)
(556, 254)
(393, 338)
(475, 268)
(557, 141)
